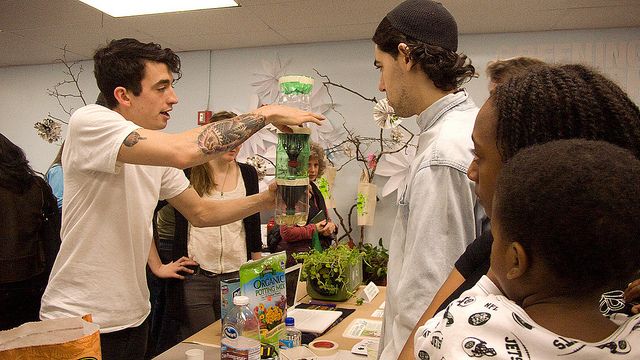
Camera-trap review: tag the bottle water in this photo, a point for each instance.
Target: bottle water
(240, 333)
(293, 336)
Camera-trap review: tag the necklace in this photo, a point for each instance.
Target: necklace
(226, 175)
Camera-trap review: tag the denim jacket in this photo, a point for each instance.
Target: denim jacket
(438, 215)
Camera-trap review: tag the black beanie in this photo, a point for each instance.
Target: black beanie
(427, 21)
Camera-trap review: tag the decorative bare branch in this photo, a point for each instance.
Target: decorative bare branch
(62, 95)
(72, 76)
(360, 145)
(329, 82)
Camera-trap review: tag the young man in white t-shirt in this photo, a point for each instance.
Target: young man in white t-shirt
(117, 166)
(564, 232)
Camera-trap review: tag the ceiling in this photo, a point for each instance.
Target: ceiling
(36, 31)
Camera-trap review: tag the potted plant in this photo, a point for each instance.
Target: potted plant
(333, 274)
(375, 259)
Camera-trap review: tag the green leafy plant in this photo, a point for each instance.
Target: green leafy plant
(375, 258)
(328, 271)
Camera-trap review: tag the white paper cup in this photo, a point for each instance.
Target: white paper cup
(194, 354)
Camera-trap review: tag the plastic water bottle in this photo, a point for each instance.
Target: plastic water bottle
(240, 333)
(293, 336)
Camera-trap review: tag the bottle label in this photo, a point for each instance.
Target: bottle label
(286, 343)
(240, 349)
(230, 332)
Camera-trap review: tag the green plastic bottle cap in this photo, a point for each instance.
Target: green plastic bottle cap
(295, 84)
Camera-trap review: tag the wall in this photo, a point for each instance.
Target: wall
(24, 100)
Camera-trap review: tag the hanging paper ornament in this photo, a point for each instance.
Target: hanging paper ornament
(384, 115)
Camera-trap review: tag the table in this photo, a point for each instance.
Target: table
(208, 338)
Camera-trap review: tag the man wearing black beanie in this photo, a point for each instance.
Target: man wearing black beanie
(438, 212)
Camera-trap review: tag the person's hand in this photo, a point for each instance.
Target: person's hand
(172, 269)
(269, 196)
(329, 228)
(283, 117)
(632, 293)
(320, 226)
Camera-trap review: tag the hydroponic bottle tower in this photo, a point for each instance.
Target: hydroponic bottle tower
(292, 156)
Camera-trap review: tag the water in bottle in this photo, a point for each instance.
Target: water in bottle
(240, 333)
(293, 336)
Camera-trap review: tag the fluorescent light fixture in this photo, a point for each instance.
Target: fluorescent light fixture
(120, 8)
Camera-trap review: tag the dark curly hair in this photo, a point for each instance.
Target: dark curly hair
(573, 204)
(121, 63)
(447, 69)
(15, 172)
(562, 102)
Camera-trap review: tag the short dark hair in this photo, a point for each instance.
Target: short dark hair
(122, 62)
(447, 69)
(573, 204)
(552, 102)
(499, 71)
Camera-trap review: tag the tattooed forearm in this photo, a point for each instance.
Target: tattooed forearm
(133, 139)
(227, 134)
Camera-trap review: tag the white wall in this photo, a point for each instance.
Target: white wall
(24, 100)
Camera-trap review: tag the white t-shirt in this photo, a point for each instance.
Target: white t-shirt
(484, 323)
(220, 249)
(106, 224)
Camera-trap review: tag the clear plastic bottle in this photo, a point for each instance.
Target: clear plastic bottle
(293, 336)
(295, 91)
(240, 333)
(292, 156)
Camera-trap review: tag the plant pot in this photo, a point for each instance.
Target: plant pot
(354, 279)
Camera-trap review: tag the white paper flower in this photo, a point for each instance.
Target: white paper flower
(49, 130)
(348, 150)
(384, 115)
(259, 164)
(396, 135)
(396, 167)
(267, 86)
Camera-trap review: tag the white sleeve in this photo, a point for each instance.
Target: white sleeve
(174, 182)
(95, 136)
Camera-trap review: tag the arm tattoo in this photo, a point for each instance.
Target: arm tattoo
(133, 139)
(227, 134)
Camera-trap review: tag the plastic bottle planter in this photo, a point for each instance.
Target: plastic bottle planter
(295, 91)
(292, 177)
(353, 280)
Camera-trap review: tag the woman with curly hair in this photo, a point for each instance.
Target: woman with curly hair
(299, 238)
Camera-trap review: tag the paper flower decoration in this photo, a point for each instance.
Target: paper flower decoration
(372, 162)
(396, 135)
(260, 164)
(48, 129)
(267, 86)
(396, 167)
(384, 115)
(348, 150)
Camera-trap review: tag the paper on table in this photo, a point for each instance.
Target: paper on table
(363, 328)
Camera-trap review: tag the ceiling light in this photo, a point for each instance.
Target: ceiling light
(119, 8)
